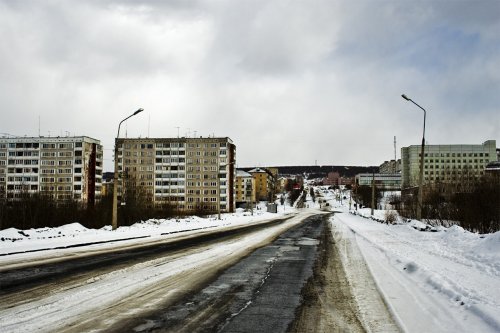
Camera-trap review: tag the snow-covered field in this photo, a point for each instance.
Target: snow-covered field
(442, 281)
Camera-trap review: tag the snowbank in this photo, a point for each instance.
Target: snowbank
(14, 241)
(442, 281)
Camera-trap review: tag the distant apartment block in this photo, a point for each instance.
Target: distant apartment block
(190, 174)
(391, 166)
(63, 167)
(334, 178)
(244, 188)
(281, 184)
(446, 163)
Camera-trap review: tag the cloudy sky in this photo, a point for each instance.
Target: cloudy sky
(290, 82)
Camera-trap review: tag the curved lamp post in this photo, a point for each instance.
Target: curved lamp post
(421, 175)
(114, 221)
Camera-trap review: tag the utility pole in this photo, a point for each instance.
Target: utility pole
(395, 158)
(373, 191)
(350, 199)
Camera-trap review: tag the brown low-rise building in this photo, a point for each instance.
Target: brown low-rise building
(333, 178)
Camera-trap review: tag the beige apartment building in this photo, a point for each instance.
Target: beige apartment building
(189, 174)
(446, 163)
(391, 166)
(63, 167)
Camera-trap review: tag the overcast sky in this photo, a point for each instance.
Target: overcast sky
(290, 82)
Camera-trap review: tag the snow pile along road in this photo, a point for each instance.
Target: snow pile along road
(444, 281)
(14, 241)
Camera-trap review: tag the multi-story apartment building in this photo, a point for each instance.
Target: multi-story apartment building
(391, 166)
(244, 188)
(264, 184)
(63, 167)
(334, 178)
(190, 174)
(281, 184)
(446, 163)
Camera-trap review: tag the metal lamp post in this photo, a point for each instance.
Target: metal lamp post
(421, 175)
(114, 221)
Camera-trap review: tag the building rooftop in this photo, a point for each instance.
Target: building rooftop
(241, 173)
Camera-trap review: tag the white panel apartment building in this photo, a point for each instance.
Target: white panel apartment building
(446, 163)
(63, 167)
(189, 174)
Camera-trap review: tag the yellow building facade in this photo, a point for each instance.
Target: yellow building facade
(264, 184)
(244, 188)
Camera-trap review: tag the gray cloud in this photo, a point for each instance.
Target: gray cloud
(289, 82)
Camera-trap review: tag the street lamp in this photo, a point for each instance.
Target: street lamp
(114, 221)
(421, 175)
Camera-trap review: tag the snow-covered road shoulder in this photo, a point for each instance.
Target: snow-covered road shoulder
(446, 281)
(19, 245)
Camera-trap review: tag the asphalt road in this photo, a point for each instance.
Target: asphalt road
(283, 276)
(34, 274)
(261, 293)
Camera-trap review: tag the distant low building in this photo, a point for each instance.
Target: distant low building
(265, 187)
(493, 169)
(383, 181)
(331, 179)
(346, 181)
(391, 166)
(244, 189)
(281, 184)
(107, 183)
(334, 179)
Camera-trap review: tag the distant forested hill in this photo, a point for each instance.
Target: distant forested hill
(316, 171)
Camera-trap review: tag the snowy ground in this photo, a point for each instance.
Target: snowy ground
(74, 237)
(99, 299)
(443, 281)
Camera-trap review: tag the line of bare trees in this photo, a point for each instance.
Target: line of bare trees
(38, 210)
(475, 206)
(42, 210)
(363, 195)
